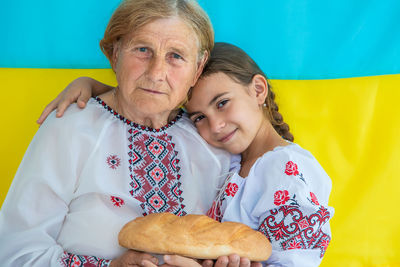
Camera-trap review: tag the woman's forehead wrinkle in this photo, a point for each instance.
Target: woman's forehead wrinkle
(181, 45)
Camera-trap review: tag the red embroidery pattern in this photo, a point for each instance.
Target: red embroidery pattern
(154, 173)
(292, 244)
(314, 198)
(135, 125)
(215, 211)
(118, 202)
(288, 227)
(280, 197)
(113, 161)
(72, 260)
(291, 168)
(231, 189)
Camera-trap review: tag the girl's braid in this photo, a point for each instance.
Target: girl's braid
(276, 118)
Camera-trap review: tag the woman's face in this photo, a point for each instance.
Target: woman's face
(156, 65)
(226, 113)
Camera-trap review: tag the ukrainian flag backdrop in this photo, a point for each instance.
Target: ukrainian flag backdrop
(335, 67)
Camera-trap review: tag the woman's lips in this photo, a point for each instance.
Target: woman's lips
(151, 91)
(227, 137)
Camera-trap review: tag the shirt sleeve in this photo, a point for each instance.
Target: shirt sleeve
(289, 206)
(37, 202)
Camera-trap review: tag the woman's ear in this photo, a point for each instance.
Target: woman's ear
(260, 85)
(200, 66)
(115, 54)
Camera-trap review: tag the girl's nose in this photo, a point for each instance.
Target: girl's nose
(216, 124)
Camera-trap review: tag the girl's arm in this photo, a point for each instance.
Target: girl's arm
(79, 90)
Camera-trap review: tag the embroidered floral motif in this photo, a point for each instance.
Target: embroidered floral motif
(72, 260)
(303, 224)
(154, 172)
(280, 197)
(314, 199)
(291, 168)
(292, 244)
(156, 201)
(118, 202)
(291, 229)
(231, 189)
(113, 161)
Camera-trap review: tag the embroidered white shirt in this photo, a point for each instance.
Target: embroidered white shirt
(88, 173)
(285, 196)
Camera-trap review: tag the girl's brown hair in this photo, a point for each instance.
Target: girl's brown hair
(235, 63)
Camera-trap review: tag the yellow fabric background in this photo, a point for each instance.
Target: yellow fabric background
(350, 125)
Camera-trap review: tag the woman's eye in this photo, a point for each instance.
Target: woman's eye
(222, 103)
(198, 118)
(176, 56)
(142, 51)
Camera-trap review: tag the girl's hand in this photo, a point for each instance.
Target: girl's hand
(173, 261)
(231, 261)
(133, 258)
(79, 90)
(180, 261)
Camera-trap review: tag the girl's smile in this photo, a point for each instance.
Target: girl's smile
(227, 137)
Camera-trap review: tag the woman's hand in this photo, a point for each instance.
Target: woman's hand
(223, 261)
(133, 258)
(79, 90)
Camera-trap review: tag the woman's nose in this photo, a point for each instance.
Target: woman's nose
(157, 69)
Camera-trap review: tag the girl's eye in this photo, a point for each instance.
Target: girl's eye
(198, 118)
(222, 103)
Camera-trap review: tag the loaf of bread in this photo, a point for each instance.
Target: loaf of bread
(195, 236)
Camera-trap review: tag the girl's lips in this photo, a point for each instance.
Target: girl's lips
(227, 137)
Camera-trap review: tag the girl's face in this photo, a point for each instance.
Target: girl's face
(227, 114)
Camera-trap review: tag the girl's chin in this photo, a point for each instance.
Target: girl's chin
(233, 150)
(229, 148)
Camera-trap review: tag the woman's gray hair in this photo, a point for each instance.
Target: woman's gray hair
(131, 15)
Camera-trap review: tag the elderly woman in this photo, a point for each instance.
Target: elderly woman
(131, 152)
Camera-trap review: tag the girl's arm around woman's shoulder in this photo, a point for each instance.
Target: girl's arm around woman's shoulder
(79, 90)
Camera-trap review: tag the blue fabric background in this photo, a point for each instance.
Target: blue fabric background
(290, 39)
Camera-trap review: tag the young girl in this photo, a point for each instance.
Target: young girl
(276, 187)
